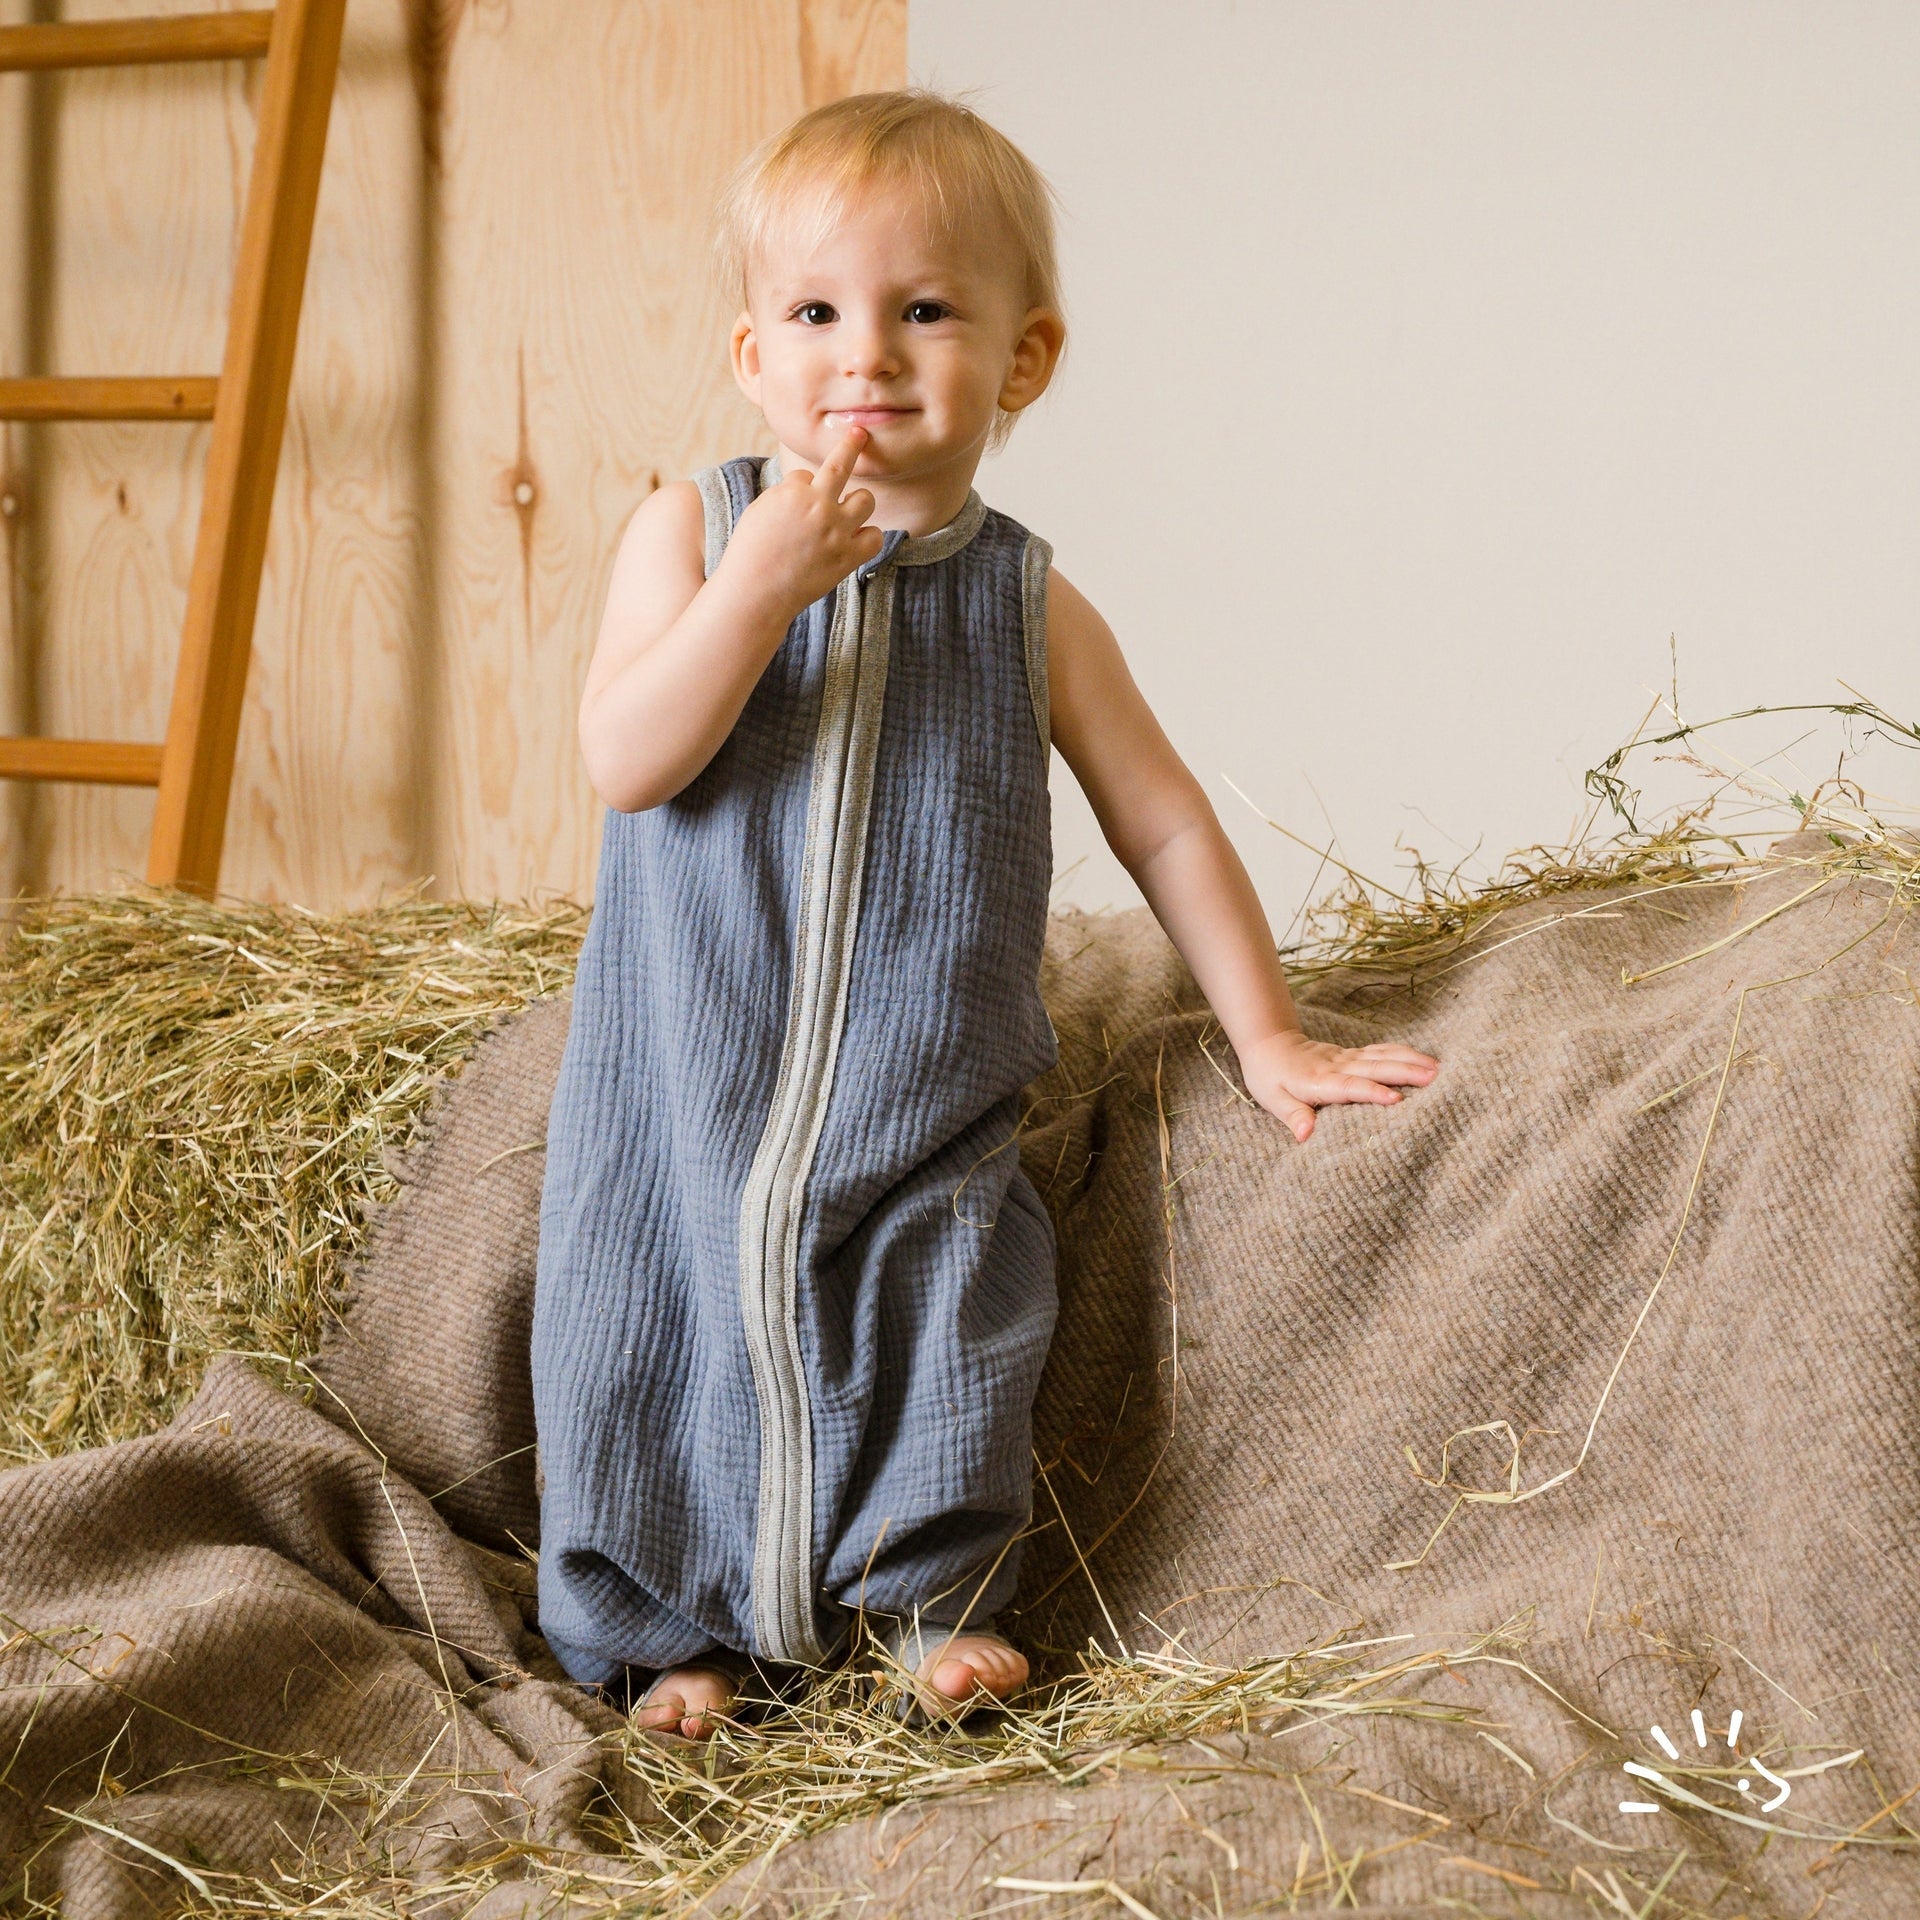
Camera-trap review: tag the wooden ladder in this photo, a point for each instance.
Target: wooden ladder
(193, 768)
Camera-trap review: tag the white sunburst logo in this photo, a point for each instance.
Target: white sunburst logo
(1701, 1740)
(1782, 1783)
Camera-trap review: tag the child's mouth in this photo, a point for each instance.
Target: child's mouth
(868, 417)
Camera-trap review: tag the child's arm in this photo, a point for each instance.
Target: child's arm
(677, 656)
(1159, 823)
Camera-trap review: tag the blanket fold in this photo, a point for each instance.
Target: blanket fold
(245, 1645)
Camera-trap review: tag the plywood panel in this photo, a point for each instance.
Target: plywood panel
(511, 335)
(583, 357)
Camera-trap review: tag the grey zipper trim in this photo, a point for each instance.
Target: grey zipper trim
(833, 863)
(772, 1204)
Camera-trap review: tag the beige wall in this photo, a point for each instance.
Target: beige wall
(1433, 364)
(510, 336)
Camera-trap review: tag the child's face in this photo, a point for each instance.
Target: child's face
(884, 323)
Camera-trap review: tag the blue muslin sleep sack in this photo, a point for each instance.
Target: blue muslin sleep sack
(794, 1292)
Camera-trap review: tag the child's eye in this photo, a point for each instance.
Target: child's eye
(923, 313)
(814, 313)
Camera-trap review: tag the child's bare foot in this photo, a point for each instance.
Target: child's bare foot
(974, 1668)
(687, 1700)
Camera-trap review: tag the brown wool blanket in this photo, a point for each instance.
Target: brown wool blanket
(214, 1628)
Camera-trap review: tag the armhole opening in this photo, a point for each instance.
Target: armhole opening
(716, 497)
(1033, 602)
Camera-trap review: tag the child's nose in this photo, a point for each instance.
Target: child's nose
(869, 353)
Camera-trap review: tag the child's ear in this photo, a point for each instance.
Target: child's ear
(744, 350)
(1043, 338)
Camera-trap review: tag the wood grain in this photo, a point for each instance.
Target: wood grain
(850, 46)
(511, 335)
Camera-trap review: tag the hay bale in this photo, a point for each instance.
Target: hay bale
(198, 1106)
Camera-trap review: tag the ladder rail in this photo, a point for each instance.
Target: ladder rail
(98, 763)
(84, 397)
(136, 43)
(223, 589)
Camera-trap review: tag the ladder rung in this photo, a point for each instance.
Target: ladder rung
(104, 763)
(87, 399)
(136, 43)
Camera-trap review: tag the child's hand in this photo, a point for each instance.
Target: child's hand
(1290, 1075)
(799, 540)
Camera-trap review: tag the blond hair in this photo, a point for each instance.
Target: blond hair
(961, 169)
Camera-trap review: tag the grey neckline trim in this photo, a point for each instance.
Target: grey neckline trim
(922, 550)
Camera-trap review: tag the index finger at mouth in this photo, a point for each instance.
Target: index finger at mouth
(837, 468)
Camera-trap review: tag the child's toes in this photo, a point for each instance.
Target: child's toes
(660, 1716)
(687, 1705)
(985, 1667)
(957, 1679)
(1004, 1673)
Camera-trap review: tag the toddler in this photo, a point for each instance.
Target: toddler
(794, 1292)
